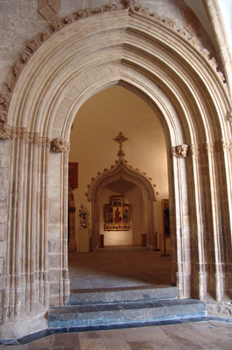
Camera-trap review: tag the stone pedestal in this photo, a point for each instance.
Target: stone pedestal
(84, 240)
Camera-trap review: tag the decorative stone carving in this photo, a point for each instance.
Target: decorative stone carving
(222, 77)
(206, 53)
(182, 32)
(17, 68)
(194, 41)
(169, 22)
(3, 117)
(142, 10)
(69, 19)
(214, 63)
(156, 17)
(83, 13)
(57, 25)
(98, 10)
(25, 56)
(10, 83)
(111, 7)
(180, 151)
(5, 99)
(45, 36)
(5, 132)
(120, 139)
(60, 145)
(34, 44)
(49, 9)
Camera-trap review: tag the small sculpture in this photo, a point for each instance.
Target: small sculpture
(82, 214)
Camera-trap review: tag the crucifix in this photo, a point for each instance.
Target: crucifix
(120, 139)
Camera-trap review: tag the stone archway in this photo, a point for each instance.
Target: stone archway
(124, 171)
(131, 48)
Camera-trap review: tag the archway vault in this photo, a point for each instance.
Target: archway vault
(151, 59)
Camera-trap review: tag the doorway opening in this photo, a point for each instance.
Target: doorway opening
(122, 262)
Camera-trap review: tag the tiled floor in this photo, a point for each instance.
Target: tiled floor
(211, 335)
(118, 269)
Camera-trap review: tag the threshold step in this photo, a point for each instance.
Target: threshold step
(124, 313)
(115, 295)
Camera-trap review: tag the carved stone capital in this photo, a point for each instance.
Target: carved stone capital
(59, 145)
(180, 151)
(5, 132)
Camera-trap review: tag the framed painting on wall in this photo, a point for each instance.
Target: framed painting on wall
(117, 215)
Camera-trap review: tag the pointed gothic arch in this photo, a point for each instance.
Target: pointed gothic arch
(151, 59)
(123, 171)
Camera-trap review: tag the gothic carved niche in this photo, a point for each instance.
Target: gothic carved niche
(49, 9)
(121, 170)
(59, 145)
(180, 151)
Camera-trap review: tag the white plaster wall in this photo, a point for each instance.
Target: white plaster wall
(97, 122)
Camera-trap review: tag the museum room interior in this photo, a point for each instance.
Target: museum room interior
(115, 163)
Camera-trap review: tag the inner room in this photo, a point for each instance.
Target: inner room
(117, 138)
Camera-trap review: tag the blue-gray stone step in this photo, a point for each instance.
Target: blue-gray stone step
(115, 295)
(124, 313)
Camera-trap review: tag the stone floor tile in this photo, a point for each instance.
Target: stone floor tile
(224, 345)
(170, 328)
(221, 324)
(92, 344)
(66, 340)
(190, 340)
(154, 345)
(90, 335)
(216, 334)
(60, 340)
(202, 325)
(114, 337)
(144, 333)
(45, 342)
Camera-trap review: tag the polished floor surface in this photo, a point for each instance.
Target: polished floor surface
(107, 269)
(211, 335)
